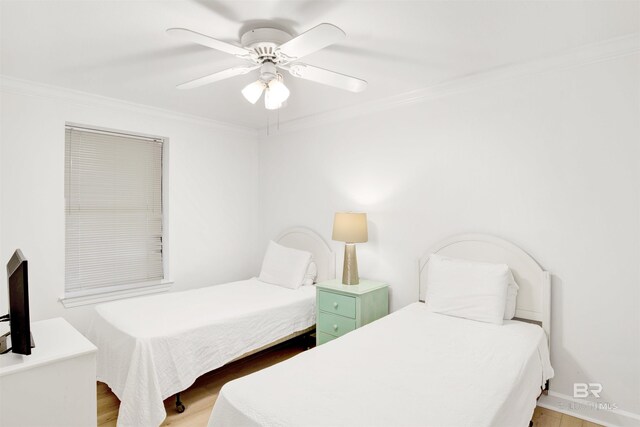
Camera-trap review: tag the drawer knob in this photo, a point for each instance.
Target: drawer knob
(335, 327)
(335, 305)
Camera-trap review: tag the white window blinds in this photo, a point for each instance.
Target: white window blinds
(113, 205)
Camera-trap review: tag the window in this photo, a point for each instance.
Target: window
(113, 210)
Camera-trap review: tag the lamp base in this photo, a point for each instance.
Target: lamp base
(350, 268)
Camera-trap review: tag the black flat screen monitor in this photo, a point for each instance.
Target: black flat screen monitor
(19, 304)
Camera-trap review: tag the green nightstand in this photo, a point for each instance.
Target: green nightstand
(343, 308)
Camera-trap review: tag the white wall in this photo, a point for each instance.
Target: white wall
(212, 191)
(549, 161)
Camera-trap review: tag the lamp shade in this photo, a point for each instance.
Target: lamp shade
(350, 227)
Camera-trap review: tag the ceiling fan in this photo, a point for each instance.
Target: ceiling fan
(270, 49)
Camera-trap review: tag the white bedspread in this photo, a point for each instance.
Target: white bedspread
(411, 368)
(150, 348)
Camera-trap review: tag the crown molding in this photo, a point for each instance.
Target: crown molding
(576, 57)
(30, 88)
(581, 56)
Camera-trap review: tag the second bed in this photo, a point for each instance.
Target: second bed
(151, 348)
(415, 367)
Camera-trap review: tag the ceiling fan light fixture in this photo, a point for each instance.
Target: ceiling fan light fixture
(271, 102)
(253, 91)
(278, 89)
(275, 94)
(270, 50)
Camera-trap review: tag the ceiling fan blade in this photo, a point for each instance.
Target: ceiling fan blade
(220, 75)
(203, 40)
(311, 41)
(331, 78)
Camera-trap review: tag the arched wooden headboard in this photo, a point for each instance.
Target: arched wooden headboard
(308, 240)
(534, 295)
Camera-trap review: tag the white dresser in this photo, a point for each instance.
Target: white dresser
(55, 385)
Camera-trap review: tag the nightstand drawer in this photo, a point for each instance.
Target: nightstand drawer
(336, 303)
(341, 309)
(335, 325)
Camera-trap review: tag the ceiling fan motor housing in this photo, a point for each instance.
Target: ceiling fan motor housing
(264, 42)
(268, 72)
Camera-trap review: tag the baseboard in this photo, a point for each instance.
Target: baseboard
(584, 409)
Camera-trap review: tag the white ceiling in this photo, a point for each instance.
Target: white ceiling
(119, 49)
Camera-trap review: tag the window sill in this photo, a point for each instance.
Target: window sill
(77, 301)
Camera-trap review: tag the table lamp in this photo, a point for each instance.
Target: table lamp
(351, 228)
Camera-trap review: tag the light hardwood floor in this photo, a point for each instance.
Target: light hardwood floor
(200, 397)
(547, 418)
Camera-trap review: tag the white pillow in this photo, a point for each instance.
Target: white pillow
(310, 275)
(468, 289)
(512, 295)
(284, 266)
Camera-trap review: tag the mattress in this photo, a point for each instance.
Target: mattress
(150, 348)
(411, 368)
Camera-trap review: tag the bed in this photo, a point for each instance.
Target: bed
(413, 367)
(151, 348)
